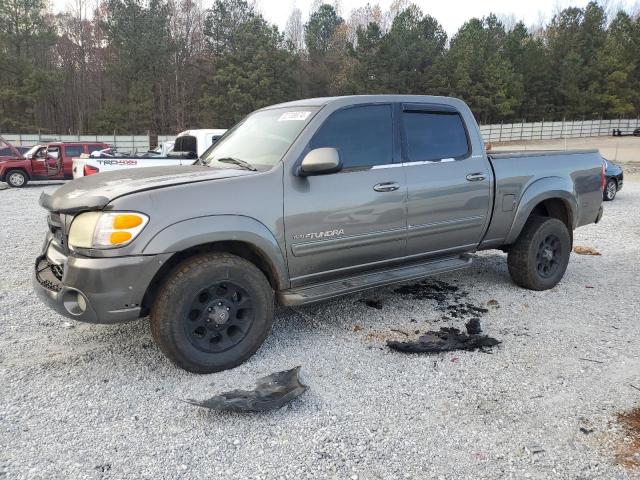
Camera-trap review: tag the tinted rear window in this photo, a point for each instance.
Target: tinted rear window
(434, 136)
(74, 151)
(186, 143)
(362, 135)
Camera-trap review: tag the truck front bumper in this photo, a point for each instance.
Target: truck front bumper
(94, 290)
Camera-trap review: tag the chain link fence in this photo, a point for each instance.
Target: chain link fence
(506, 132)
(502, 132)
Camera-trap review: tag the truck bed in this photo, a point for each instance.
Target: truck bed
(502, 154)
(520, 174)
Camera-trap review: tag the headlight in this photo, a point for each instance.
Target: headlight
(106, 229)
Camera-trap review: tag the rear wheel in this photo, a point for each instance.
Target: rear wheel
(212, 313)
(610, 190)
(540, 256)
(16, 178)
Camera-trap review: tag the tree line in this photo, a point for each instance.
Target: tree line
(132, 66)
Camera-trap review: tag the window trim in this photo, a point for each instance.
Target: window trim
(436, 109)
(360, 168)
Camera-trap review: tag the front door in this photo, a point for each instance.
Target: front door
(339, 223)
(449, 189)
(42, 163)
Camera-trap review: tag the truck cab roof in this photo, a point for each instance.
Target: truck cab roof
(60, 144)
(356, 99)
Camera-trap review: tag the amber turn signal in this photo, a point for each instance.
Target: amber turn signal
(120, 237)
(126, 221)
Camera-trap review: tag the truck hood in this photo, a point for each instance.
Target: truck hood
(94, 192)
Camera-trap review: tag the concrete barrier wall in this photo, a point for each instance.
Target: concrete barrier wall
(125, 143)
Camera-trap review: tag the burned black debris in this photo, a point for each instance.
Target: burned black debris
(444, 340)
(373, 303)
(473, 326)
(464, 310)
(271, 393)
(439, 291)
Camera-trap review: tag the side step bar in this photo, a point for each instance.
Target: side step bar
(378, 278)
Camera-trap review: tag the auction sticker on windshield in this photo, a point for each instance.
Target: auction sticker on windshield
(293, 116)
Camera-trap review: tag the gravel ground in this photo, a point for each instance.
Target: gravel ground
(91, 401)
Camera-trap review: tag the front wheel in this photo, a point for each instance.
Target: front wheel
(212, 313)
(16, 178)
(610, 190)
(540, 256)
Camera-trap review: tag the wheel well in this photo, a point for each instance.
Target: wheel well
(4, 176)
(241, 249)
(555, 208)
(614, 179)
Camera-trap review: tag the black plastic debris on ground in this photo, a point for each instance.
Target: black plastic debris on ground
(444, 340)
(271, 393)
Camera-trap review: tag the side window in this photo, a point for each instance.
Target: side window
(95, 148)
(53, 152)
(363, 135)
(434, 136)
(73, 151)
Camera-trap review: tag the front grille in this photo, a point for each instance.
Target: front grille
(57, 271)
(56, 228)
(49, 275)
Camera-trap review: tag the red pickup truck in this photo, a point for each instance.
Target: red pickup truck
(51, 161)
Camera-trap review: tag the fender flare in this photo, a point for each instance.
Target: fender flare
(546, 188)
(6, 169)
(190, 233)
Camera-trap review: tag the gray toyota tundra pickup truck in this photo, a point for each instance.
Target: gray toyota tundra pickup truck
(301, 202)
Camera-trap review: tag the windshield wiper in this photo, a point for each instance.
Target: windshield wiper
(237, 161)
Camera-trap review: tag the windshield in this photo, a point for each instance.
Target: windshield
(261, 139)
(32, 150)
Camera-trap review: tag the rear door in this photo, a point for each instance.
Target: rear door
(353, 219)
(448, 186)
(71, 152)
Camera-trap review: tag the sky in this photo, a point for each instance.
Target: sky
(451, 14)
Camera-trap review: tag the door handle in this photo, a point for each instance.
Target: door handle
(476, 177)
(386, 187)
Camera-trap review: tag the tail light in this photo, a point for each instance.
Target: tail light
(89, 170)
(603, 178)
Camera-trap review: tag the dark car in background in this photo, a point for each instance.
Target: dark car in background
(7, 152)
(614, 175)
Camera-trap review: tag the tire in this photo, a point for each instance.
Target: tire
(212, 312)
(16, 178)
(610, 190)
(539, 258)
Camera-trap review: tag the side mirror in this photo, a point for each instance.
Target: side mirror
(320, 161)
